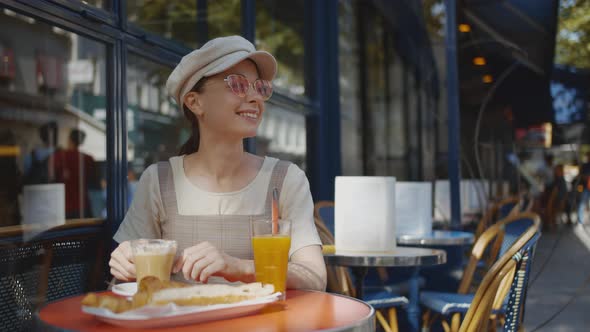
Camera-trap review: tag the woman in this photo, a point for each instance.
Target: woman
(205, 197)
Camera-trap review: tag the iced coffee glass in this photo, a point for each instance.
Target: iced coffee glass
(271, 252)
(153, 258)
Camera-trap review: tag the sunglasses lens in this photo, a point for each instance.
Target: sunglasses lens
(264, 88)
(238, 84)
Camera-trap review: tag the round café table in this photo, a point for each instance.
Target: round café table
(302, 311)
(414, 258)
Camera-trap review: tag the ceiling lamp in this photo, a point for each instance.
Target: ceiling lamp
(487, 78)
(463, 27)
(479, 61)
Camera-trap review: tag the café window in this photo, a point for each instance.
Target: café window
(156, 128)
(350, 108)
(52, 166)
(52, 128)
(282, 134)
(7, 67)
(280, 31)
(189, 22)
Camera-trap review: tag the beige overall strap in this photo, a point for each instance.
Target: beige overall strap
(167, 193)
(276, 181)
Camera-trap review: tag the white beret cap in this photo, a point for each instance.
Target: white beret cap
(214, 57)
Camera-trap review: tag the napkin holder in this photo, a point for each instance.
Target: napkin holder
(364, 219)
(413, 206)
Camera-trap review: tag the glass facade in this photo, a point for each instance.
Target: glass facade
(53, 105)
(188, 22)
(155, 126)
(350, 104)
(280, 30)
(102, 4)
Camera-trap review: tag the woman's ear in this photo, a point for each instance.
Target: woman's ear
(193, 101)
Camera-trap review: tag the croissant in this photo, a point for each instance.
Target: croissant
(153, 291)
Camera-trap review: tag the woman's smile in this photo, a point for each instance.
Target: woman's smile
(249, 114)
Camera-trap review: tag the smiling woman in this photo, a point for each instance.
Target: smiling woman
(206, 197)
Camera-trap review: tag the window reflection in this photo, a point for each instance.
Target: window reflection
(190, 22)
(52, 133)
(282, 134)
(350, 108)
(224, 18)
(375, 96)
(170, 19)
(103, 4)
(280, 31)
(155, 126)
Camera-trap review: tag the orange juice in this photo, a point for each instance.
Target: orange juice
(271, 255)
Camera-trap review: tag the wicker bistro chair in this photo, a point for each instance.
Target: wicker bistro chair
(339, 281)
(64, 261)
(500, 210)
(509, 233)
(514, 311)
(377, 277)
(324, 211)
(481, 307)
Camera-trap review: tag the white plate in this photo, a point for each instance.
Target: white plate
(173, 315)
(125, 289)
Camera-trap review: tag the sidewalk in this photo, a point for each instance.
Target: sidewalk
(559, 297)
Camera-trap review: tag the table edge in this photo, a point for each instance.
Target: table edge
(365, 324)
(438, 257)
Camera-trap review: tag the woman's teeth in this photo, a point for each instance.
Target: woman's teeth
(249, 115)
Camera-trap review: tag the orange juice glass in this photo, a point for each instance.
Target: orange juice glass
(271, 253)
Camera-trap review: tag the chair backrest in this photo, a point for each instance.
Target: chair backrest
(59, 263)
(526, 202)
(499, 210)
(339, 280)
(324, 210)
(481, 247)
(486, 220)
(519, 287)
(507, 207)
(514, 226)
(489, 245)
(491, 290)
(478, 315)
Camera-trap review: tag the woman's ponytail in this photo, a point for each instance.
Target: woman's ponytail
(192, 143)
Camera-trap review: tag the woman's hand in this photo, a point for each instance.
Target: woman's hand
(203, 260)
(121, 263)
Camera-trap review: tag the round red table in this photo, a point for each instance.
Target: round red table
(302, 311)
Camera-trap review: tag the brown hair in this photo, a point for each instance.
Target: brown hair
(192, 143)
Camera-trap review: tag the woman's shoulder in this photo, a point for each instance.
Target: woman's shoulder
(150, 174)
(293, 174)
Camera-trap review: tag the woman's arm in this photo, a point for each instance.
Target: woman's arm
(307, 269)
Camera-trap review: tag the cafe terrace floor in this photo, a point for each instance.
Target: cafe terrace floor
(559, 297)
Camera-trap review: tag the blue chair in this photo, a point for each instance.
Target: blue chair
(513, 231)
(339, 281)
(507, 207)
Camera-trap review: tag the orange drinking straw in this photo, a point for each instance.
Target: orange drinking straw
(275, 211)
